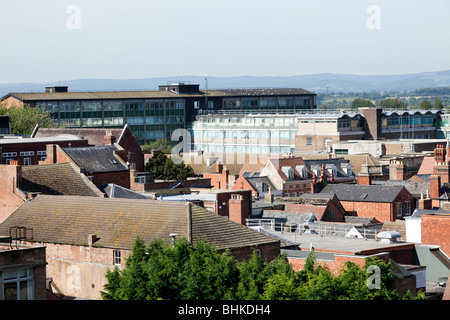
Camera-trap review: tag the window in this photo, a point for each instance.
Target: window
(9, 154)
(42, 153)
(309, 141)
(408, 208)
(196, 104)
(17, 284)
(27, 153)
(117, 259)
(26, 161)
(399, 209)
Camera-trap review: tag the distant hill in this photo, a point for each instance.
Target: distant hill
(316, 83)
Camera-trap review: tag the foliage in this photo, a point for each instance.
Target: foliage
(361, 103)
(393, 104)
(24, 118)
(160, 144)
(188, 272)
(164, 168)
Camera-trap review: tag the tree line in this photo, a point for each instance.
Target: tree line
(182, 271)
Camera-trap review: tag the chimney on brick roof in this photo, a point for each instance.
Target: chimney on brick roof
(109, 138)
(219, 167)
(425, 203)
(51, 154)
(435, 190)
(441, 166)
(396, 170)
(91, 239)
(14, 174)
(238, 209)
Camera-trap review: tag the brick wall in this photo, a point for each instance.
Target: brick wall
(223, 201)
(10, 197)
(382, 211)
(243, 184)
(294, 188)
(436, 231)
(268, 251)
(27, 257)
(35, 147)
(220, 178)
(129, 143)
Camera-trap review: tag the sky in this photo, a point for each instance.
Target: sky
(57, 40)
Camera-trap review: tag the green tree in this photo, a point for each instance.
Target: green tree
(24, 118)
(438, 104)
(361, 103)
(392, 104)
(425, 105)
(164, 168)
(160, 144)
(198, 272)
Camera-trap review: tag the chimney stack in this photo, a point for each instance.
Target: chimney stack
(239, 209)
(109, 138)
(425, 204)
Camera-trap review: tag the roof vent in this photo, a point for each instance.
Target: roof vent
(389, 236)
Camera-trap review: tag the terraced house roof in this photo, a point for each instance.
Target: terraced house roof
(57, 179)
(117, 222)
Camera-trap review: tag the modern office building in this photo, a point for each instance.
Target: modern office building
(245, 133)
(305, 131)
(156, 114)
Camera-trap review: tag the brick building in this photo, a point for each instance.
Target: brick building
(384, 203)
(101, 164)
(21, 183)
(29, 151)
(23, 273)
(100, 137)
(435, 230)
(86, 235)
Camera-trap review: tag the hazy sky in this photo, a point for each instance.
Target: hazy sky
(51, 40)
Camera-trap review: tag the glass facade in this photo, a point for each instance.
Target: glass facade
(148, 119)
(279, 103)
(249, 134)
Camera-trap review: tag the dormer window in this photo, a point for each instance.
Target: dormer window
(302, 171)
(288, 172)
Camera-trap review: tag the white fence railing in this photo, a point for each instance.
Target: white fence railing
(324, 229)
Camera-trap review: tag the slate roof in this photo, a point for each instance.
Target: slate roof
(414, 187)
(57, 179)
(115, 191)
(288, 217)
(117, 222)
(363, 193)
(95, 136)
(97, 158)
(257, 184)
(338, 162)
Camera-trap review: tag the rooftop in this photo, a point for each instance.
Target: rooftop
(363, 193)
(143, 94)
(57, 179)
(97, 158)
(117, 222)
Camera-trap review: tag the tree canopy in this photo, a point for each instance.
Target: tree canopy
(164, 168)
(24, 118)
(159, 144)
(187, 272)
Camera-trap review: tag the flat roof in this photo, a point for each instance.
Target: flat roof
(138, 94)
(337, 244)
(37, 140)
